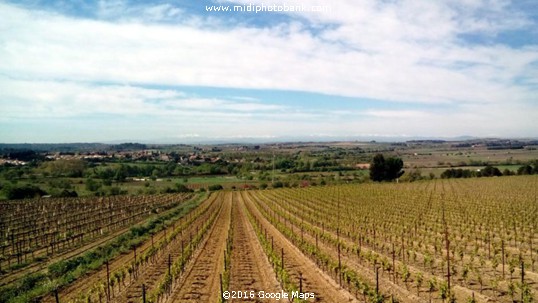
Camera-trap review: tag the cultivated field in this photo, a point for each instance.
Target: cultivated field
(433, 241)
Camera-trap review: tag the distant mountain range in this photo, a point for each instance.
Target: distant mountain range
(268, 139)
(141, 144)
(317, 138)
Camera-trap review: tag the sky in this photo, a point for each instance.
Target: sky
(181, 71)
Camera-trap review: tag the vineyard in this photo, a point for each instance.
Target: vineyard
(458, 240)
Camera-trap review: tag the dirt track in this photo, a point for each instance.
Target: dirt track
(250, 269)
(314, 280)
(201, 282)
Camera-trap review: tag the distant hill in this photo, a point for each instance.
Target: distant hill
(69, 147)
(57, 147)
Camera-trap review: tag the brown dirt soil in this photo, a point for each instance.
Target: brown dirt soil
(201, 281)
(84, 284)
(314, 279)
(406, 295)
(152, 272)
(385, 283)
(367, 273)
(250, 269)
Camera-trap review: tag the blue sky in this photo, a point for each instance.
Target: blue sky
(98, 71)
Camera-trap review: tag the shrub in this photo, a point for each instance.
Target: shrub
(23, 192)
(215, 187)
(278, 184)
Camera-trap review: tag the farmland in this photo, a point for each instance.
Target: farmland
(127, 169)
(439, 240)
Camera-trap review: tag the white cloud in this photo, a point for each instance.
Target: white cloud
(396, 113)
(123, 11)
(387, 63)
(50, 99)
(401, 51)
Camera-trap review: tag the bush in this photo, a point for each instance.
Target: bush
(29, 282)
(114, 191)
(507, 172)
(457, 173)
(23, 192)
(490, 171)
(525, 170)
(92, 185)
(181, 188)
(414, 175)
(215, 187)
(61, 268)
(278, 184)
(68, 193)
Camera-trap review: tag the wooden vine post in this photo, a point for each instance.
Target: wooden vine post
(107, 282)
(170, 265)
(282, 260)
(143, 293)
(393, 263)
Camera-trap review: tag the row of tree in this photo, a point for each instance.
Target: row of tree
(490, 171)
(389, 169)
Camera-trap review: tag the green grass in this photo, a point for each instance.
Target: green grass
(214, 180)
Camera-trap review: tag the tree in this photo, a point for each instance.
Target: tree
(92, 185)
(394, 168)
(68, 168)
(385, 170)
(535, 166)
(23, 192)
(121, 173)
(458, 173)
(490, 171)
(377, 168)
(524, 170)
